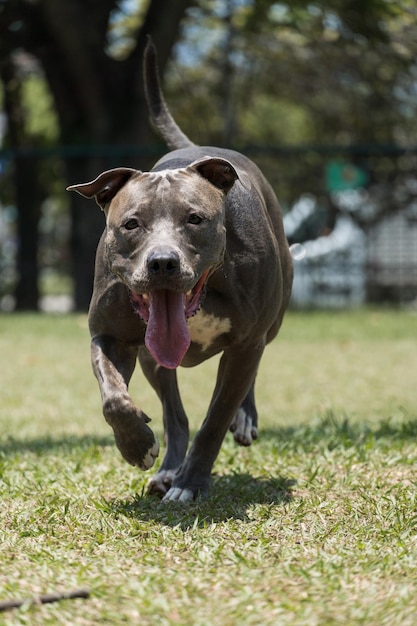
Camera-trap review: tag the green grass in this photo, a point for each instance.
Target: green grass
(315, 524)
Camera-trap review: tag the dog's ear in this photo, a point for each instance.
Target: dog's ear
(105, 186)
(219, 172)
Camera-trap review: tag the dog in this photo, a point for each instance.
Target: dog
(193, 262)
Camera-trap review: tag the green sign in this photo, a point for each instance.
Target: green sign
(341, 175)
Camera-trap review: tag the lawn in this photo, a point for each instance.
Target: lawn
(315, 524)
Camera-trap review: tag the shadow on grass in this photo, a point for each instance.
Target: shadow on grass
(329, 429)
(231, 497)
(333, 430)
(42, 445)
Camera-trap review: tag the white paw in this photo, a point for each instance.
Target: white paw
(161, 482)
(149, 458)
(176, 494)
(243, 428)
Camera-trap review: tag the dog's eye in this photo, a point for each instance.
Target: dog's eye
(193, 218)
(131, 224)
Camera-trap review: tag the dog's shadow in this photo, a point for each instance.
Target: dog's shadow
(231, 497)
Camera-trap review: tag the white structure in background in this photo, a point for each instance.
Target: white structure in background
(332, 271)
(392, 256)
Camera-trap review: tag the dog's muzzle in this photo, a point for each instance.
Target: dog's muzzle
(165, 312)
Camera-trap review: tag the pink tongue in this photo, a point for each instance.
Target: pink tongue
(167, 336)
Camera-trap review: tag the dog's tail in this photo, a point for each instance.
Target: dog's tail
(160, 115)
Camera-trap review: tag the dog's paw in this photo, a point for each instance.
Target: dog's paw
(185, 491)
(150, 457)
(137, 444)
(177, 494)
(161, 482)
(243, 429)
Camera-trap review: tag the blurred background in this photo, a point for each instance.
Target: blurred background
(321, 95)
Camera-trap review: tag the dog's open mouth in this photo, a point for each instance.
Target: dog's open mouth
(166, 312)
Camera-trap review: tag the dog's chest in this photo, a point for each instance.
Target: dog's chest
(205, 328)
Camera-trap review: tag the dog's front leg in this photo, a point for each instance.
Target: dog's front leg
(176, 430)
(113, 365)
(237, 370)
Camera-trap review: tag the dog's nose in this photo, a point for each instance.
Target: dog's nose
(163, 262)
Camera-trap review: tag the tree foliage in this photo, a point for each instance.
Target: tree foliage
(337, 60)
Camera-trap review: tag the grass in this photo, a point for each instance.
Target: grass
(315, 524)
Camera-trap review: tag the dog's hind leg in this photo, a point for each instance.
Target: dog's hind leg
(244, 425)
(175, 421)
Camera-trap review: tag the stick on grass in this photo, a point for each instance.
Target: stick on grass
(46, 598)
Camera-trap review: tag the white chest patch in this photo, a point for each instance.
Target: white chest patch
(206, 327)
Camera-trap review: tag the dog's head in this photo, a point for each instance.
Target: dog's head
(165, 234)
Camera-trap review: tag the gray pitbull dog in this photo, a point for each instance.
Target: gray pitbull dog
(193, 262)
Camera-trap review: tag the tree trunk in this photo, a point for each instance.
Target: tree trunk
(28, 199)
(99, 100)
(28, 193)
(87, 225)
